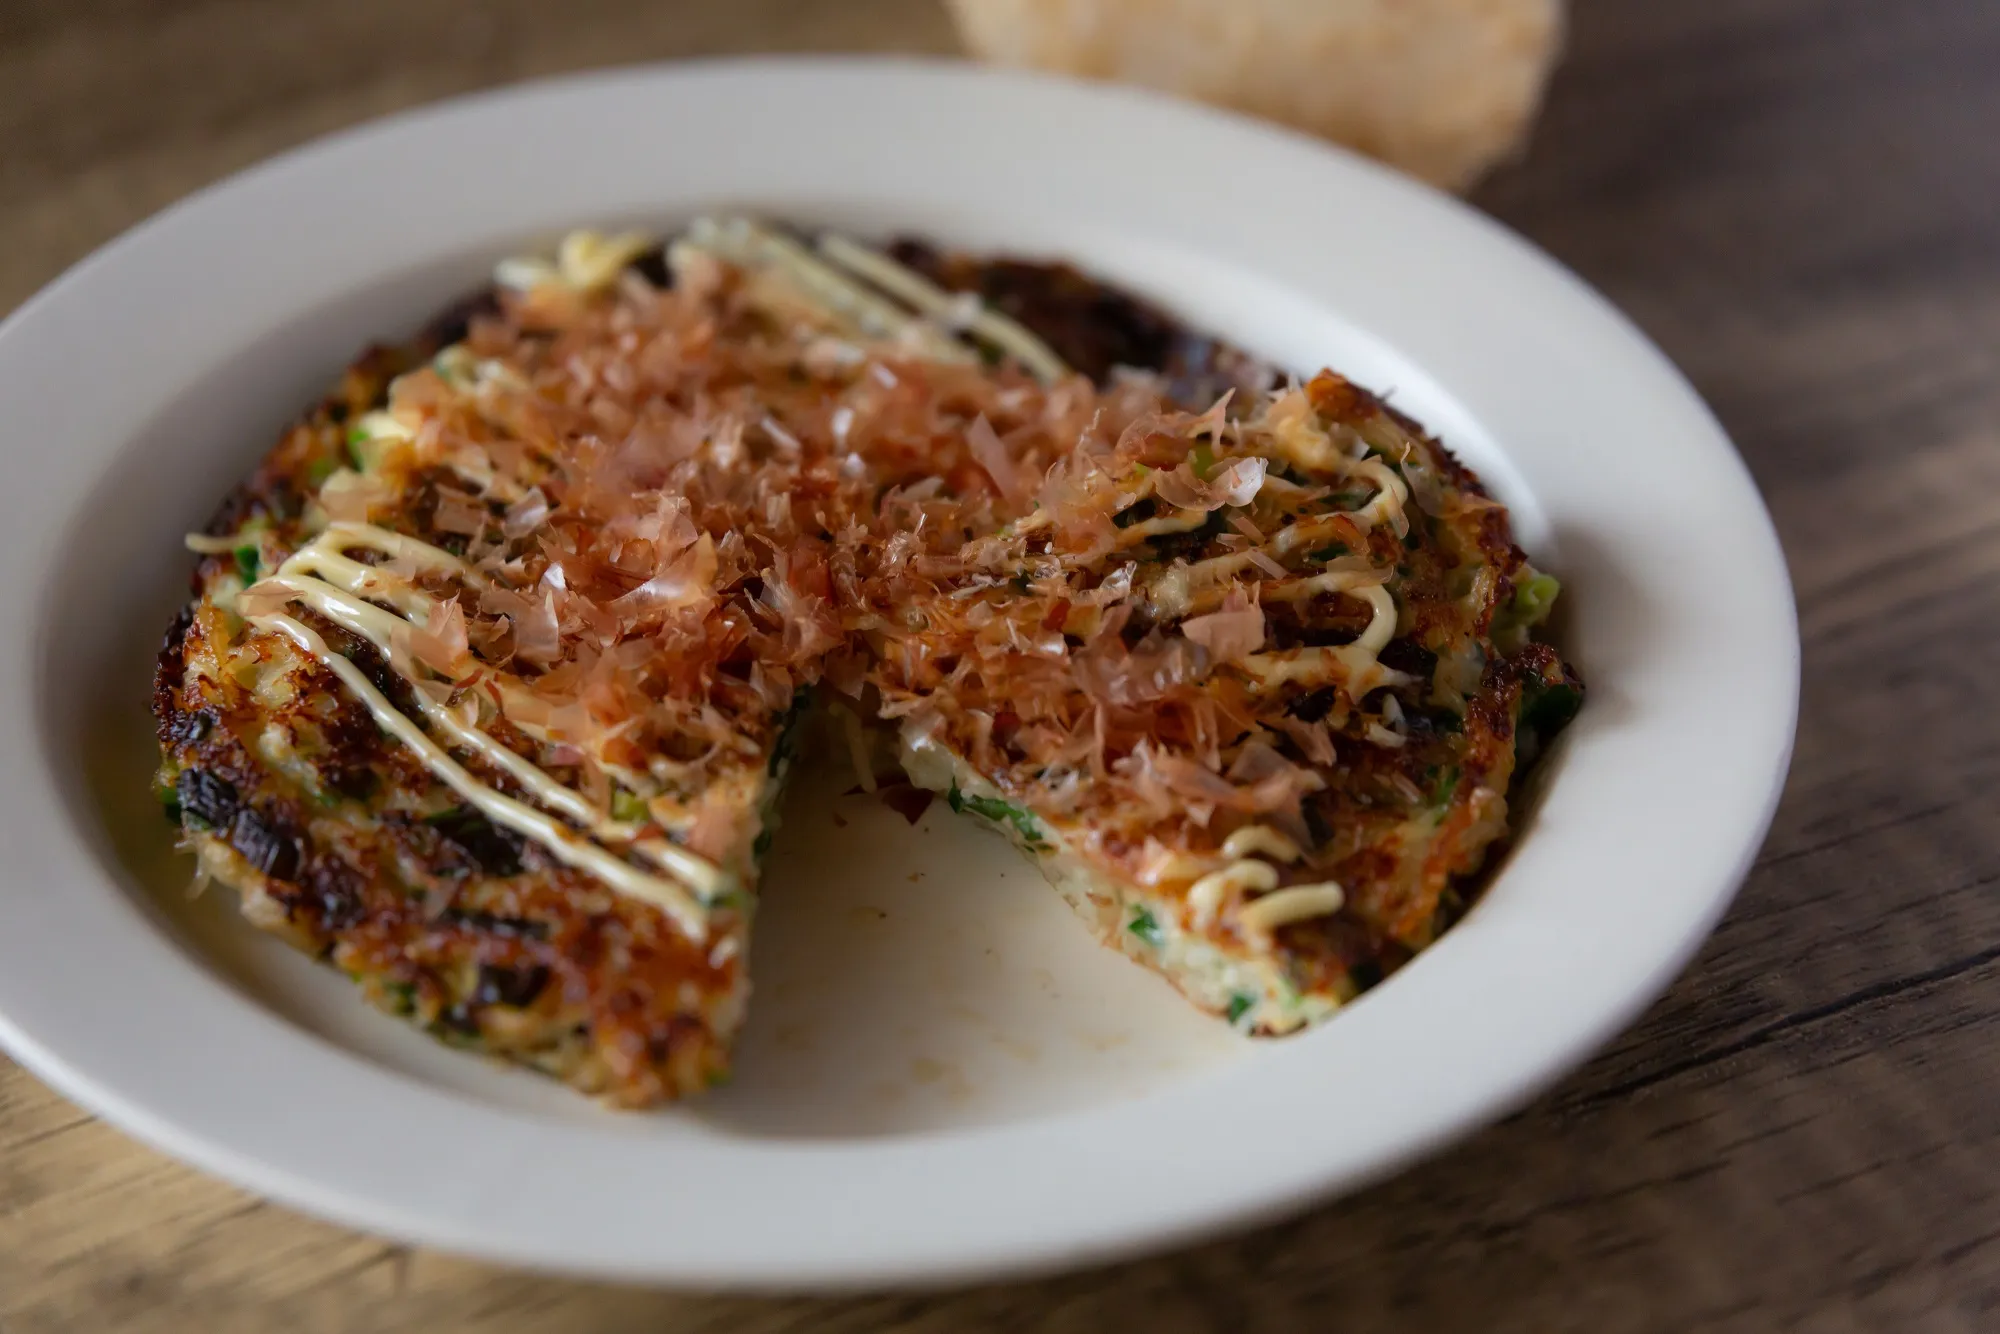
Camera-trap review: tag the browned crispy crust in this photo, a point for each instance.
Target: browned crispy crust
(450, 922)
(477, 937)
(496, 949)
(1405, 830)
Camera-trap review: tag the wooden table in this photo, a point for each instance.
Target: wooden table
(1800, 199)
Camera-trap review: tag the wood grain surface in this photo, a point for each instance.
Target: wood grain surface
(1800, 199)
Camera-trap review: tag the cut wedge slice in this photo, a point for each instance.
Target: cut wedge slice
(1252, 691)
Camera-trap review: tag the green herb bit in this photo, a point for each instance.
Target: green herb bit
(1534, 597)
(1146, 927)
(1202, 460)
(169, 798)
(356, 438)
(628, 807)
(1334, 552)
(1239, 1005)
(999, 812)
(248, 561)
(786, 748)
(1445, 789)
(454, 1036)
(1547, 709)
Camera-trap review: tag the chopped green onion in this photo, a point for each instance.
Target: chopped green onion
(402, 996)
(781, 755)
(1547, 709)
(247, 562)
(999, 812)
(1202, 460)
(627, 806)
(1146, 927)
(1442, 793)
(454, 1036)
(1334, 552)
(1239, 1005)
(1533, 599)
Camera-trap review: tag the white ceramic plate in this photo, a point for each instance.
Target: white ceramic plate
(942, 1076)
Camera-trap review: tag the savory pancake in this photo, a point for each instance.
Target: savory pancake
(1250, 690)
(475, 699)
(490, 683)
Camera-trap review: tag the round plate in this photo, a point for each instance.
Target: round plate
(942, 1076)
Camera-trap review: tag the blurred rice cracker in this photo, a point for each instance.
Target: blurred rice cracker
(1443, 89)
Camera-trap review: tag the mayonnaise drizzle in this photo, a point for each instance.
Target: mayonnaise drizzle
(1260, 840)
(378, 627)
(1390, 497)
(346, 535)
(585, 261)
(562, 842)
(336, 599)
(759, 249)
(1272, 909)
(1354, 665)
(322, 557)
(1332, 581)
(1295, 903)
(984, 323)
(1204, 896)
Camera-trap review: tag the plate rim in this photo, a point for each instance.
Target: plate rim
(455, 1224)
